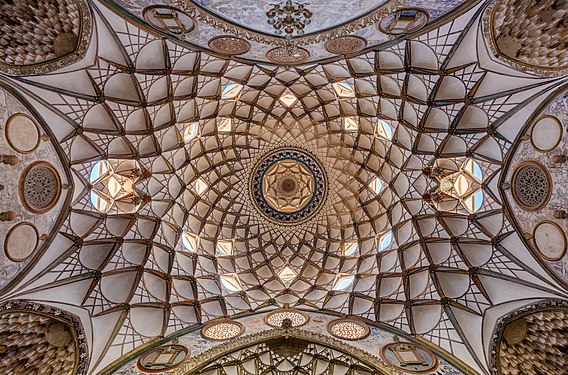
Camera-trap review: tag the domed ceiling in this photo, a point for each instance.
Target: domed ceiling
(206, 187)
(325, 14)
(319, 30)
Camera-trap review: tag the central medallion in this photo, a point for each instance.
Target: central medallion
(288, 186)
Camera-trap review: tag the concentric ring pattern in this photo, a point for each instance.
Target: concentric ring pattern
(288, 186)
(173, 239)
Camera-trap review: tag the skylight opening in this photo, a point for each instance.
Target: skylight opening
(350, 248)
(200, 186)
(474, 202)
(472, 168)
(190, 241)
(350, 123)
(224, 124)
(384, 130)
(191, 132)
(287, 275)
(231, 282)
(342, 282)
(100, 170)
(385, 240)
(100, 202)
(288, 99)
(224, 248)
(461, 185)
(376, 185)
(232, 91)
(343, 90)
(113, 186)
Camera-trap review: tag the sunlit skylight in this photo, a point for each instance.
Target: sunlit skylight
(99, 171)
(384, 130)
(344, 90)
(342, 282)
(350, 248)
(385, 240)
(224, 248)
(190, 241)
(376, 185)
(191, 131)
(473, 169)
(288, 99)
(231, 282)
(350, 123)
(100, 202)
(474, 202)
(231, 91)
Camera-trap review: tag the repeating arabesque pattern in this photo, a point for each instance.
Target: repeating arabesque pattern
(439, 268)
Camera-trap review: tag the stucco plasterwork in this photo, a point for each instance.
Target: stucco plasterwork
(527, 220)
(9, 196)
(257, 330)
(168, 134)
(210, 26)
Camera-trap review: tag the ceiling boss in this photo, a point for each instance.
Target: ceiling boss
(289, 17)
(370, 187)
(288, 186)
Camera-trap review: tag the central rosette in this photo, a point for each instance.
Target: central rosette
(288, 186)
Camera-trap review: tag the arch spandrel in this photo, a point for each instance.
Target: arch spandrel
(163, 236)
(36, 187)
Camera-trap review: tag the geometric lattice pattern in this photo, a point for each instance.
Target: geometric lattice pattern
(290, 356)
(197, 249)
(288, 186)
